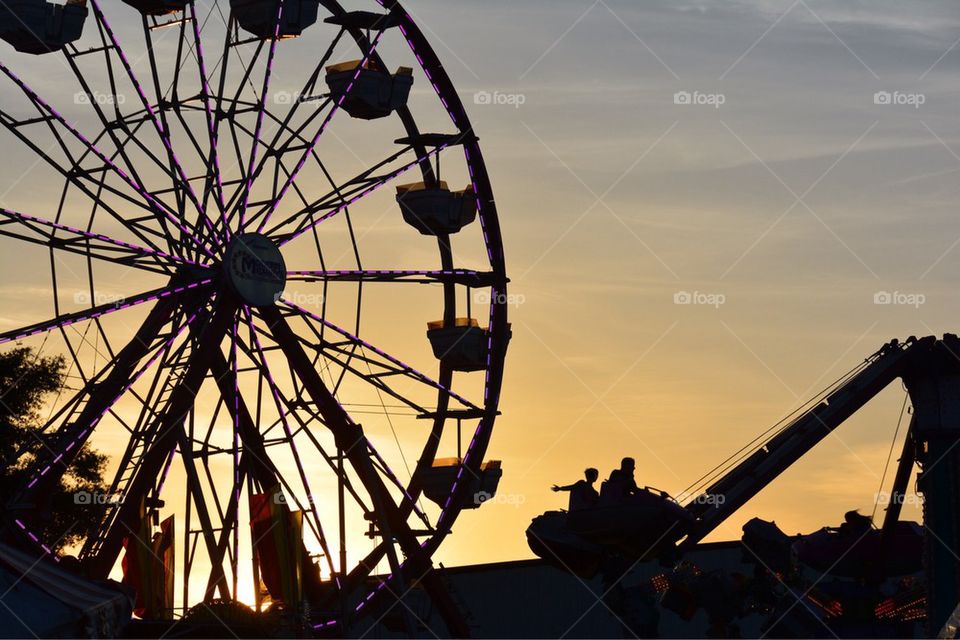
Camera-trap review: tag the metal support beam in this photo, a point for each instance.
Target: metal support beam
(351, 441)
(181, 401)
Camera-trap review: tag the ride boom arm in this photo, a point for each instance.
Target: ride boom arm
(754, 473)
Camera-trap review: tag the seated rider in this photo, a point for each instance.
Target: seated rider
(855, 524)
(621, 485)
(582, 493)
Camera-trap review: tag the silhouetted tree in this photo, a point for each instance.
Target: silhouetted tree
(26, 382)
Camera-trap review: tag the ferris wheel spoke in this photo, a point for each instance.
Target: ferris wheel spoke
(408, 499)
(73, 175)
(36, 230)
(275, 394)
(398, 365)
(308, 151)
(293, 409)
(359, 189)
(214, 181)
(345, 357)
(351, 441)
(338, 195)
(261, 110)
(465, 277)
(296, 138)
(157, 206)
(162, 129)
(348, 436)
(99, 310)
(111, 127)
(171, 101)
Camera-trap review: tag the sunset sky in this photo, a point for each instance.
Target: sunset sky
(797, 200)
(815, 166)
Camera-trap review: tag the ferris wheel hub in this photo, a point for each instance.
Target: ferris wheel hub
(255, 269)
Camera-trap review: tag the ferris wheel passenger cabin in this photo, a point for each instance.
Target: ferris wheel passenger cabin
(462, 345)
(158, 7)
(369, 92)
(259, 17)
(435, 211)
(38, 26)
(439, 478)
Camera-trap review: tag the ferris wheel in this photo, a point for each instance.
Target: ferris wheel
(263, 236)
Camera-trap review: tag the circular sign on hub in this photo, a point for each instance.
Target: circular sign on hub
(255, 269)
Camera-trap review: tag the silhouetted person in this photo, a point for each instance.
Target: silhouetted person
(582, 493)
(855, 523)
(621, 485)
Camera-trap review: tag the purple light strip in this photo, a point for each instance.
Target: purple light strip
(164, 135)
(363, 193)
(267, 74)
(237, 484)
(316, 138)
(103, 310)
(36, 539)
(81, 436)
(214, 139)
(382, 272)
(160, 207)
(16, 215)
(407, 368)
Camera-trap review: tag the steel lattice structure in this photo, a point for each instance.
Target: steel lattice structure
(199, 159)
